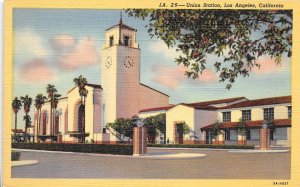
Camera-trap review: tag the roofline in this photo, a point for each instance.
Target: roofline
(89, 85)
(236, 123)
(154, 89)
(154, 109)
(58, 99)
(236, 99)
(124, 26)
(230, 106)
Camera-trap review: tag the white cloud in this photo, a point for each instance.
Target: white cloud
(29, 44)
(162, 48)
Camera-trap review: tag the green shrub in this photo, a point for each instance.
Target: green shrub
(212, 146)
(124, 149)
(15, 156)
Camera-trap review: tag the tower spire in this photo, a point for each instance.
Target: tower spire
(120, 25)
(121, 21)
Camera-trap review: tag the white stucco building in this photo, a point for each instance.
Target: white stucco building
(201, 116)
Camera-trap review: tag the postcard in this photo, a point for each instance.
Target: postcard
(160, 93)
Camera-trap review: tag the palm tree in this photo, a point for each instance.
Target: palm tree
(51, 90)
(81, 82)
(16, 105)
(40, 100)
(27, 120)
(54, 104)
(27, 101)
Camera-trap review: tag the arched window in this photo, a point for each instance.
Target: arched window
(111, 41)
(80, 117)
(126, 40)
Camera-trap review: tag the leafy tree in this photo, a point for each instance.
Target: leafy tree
(241, 127)
(39, 100)
(216, 129)
(16, 105)
(183, 128)
(154, 125)
(121, 128)
(240, 37)
(81, 82)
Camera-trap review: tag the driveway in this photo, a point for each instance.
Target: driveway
(216, 165)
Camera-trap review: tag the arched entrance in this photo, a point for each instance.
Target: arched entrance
(81, 122)
(80, 117)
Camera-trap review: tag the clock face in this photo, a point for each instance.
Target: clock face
(108, 62)
(128, 62)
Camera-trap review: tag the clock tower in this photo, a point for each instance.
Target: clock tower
(120, 73)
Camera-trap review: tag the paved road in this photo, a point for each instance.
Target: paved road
(217, 165)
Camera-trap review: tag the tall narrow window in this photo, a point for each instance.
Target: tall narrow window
(126, 40)
(227, 134)
(111, 41)
(226, 116)
(289, 112)
(246, 115)
(268, 113)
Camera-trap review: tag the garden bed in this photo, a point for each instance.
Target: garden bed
(124, 149)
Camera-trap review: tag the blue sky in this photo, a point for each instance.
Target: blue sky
(50, 44)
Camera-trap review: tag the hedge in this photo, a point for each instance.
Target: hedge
(15, 156)
(124, 149)
(212, 146)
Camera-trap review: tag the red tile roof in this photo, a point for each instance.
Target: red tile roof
(157, 108)
(199, 105)
(17, 131)
(252, 124)
(260, 102)
(214, 102)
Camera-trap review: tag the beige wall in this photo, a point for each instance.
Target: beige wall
(150, 98)
(203, 118)
(178, 113)
(128, 83)
(109, 83)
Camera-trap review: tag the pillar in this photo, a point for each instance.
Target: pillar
(264, 137)
(139, 141)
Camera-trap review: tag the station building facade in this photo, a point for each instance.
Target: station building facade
(201, 116)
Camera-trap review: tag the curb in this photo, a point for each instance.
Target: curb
(260, 151)
(23, 163)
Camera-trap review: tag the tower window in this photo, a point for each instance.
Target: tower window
(111, 41)
(126, 40)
